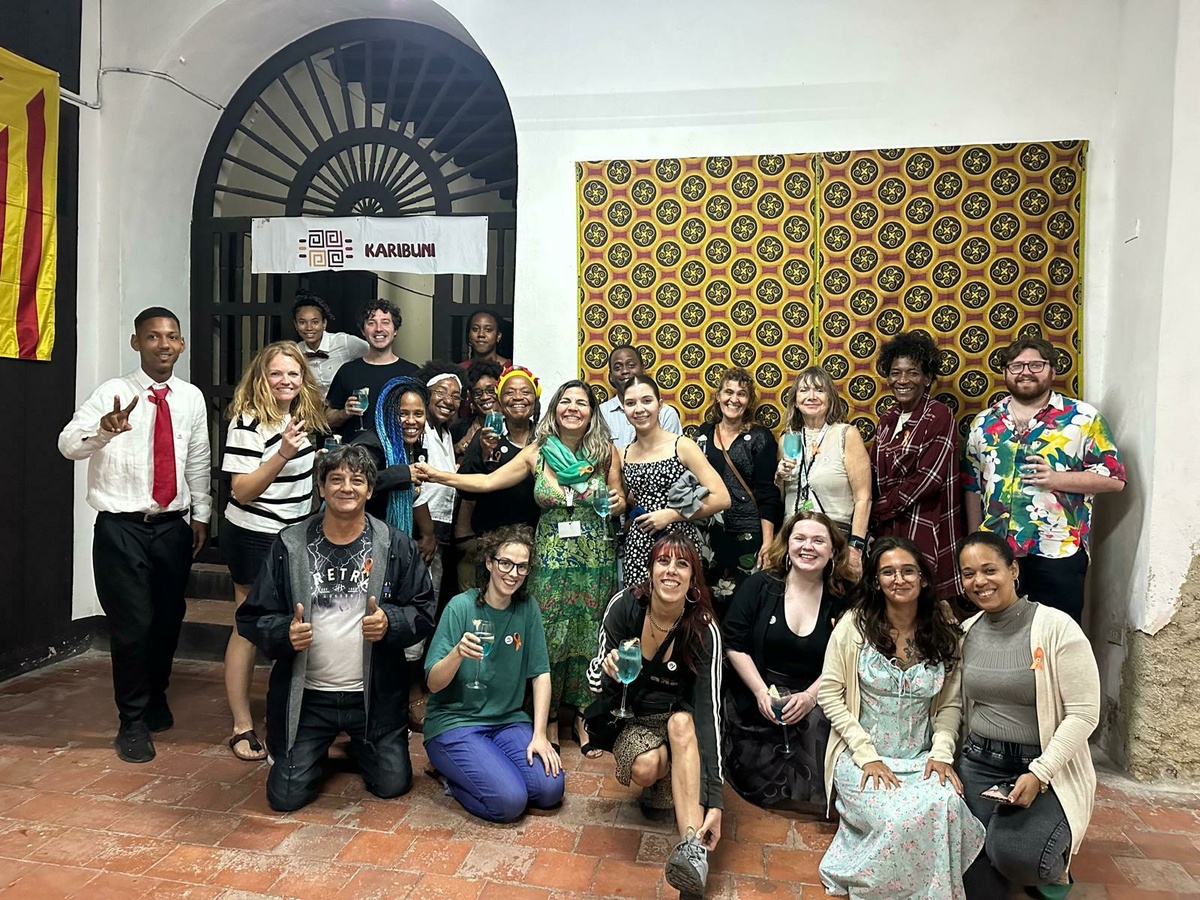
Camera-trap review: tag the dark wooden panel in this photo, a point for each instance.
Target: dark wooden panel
(36, 493)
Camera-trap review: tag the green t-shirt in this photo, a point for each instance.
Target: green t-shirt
(518, 654)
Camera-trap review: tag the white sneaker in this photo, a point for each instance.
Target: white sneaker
(687, 866)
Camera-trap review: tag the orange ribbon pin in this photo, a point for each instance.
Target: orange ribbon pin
(1039, 659)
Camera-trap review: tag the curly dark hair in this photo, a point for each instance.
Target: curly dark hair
(435, 367)
(380, 306)
(917, 346)
(937, 637)
(482, 368)
(308, 298)
(489, 544)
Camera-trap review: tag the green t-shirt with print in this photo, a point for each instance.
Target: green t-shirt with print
(518, 654)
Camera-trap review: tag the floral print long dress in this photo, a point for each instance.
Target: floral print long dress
(573, 582)
(914, 841)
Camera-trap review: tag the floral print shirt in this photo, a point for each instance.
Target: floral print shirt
(1073, 437)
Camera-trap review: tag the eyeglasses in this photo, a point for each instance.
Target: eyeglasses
(507, 565)
(1033, 368)
(907, 573)
(483, 392)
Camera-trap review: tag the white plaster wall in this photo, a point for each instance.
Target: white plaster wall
(645, 80)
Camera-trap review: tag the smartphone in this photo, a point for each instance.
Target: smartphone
(999, 793)
(635, 512)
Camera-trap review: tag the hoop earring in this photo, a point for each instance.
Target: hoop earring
(693, 595)
(1017, 585)
(787, 563)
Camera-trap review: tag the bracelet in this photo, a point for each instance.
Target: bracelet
(858, 543)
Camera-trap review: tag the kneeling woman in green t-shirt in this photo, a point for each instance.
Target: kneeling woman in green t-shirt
(477, 733)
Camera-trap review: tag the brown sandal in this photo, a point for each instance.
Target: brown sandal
(255, 746)
(416, 715)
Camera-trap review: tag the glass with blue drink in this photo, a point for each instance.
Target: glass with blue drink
(629, 667)
(494, 421)
(487, 637)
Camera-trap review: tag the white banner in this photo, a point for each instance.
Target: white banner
(424, 245)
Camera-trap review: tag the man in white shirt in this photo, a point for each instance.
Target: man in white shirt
(325, 351)
(623, 364)
(145, 437)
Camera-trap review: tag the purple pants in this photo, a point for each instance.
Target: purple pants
(487, 773)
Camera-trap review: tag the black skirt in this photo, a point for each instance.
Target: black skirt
(762, 773)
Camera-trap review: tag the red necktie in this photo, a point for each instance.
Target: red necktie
(163, 491)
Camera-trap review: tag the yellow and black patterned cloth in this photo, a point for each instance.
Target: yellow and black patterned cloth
(775, 262)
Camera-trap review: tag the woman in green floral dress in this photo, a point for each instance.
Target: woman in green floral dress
(572, 461)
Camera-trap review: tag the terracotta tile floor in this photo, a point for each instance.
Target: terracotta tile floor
(77, 822)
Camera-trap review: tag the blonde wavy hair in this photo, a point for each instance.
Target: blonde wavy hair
(597, 440)
(252, 397)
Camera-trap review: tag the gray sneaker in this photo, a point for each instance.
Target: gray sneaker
(687, 866)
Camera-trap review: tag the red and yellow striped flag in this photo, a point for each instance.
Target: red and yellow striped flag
(28, 197)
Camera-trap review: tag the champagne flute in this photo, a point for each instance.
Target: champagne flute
(629, 666)
(600, 502)
(779, 698)
(487, 638)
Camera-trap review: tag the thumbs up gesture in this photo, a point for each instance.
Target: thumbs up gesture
(300, 632)
(375, 622)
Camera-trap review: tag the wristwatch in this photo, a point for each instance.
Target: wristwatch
(858, 543)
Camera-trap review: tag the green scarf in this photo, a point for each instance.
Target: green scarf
(571, 471)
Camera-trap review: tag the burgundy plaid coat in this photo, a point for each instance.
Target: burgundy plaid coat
(915, 470)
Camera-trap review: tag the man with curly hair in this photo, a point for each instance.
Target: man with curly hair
(379, 321)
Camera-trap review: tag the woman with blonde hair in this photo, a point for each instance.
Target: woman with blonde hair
(572, 461)
(270, 459)
(823, 463)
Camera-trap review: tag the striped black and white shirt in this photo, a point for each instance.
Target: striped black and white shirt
(287, 499)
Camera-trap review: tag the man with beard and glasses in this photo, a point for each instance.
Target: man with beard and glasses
(380, 321)
(623, 364)
(1033, 464)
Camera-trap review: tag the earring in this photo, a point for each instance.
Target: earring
(693, 595)
(1017, 585)
(787, 563)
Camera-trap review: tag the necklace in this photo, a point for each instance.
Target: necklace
(654, 622)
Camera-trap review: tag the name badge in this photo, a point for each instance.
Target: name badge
(571, 528)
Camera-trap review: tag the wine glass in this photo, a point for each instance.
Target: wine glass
(495, 421)
(779, 699)
(629, 666)
(487, 637)
(364, 397)
(601, 502)
(791, 445)
(1026, 453)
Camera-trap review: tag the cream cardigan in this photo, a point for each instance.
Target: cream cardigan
(841, 701)
(1066, 718)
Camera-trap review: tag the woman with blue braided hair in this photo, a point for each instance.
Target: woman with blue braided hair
(396, 444)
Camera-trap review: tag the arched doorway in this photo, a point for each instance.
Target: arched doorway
(368, 117)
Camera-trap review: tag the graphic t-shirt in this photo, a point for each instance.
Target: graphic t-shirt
(518, 654)
(339, 573)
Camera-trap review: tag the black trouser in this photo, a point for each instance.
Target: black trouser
(1025, 847)
(1056, 582)
(383, 763)
(141, 572)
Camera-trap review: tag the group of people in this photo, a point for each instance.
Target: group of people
(427, 548)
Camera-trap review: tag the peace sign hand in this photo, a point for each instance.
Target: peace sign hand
(117, 421)
(293, 439)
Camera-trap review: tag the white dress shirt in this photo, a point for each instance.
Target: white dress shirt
(622, 431)
(121, 466)
(341, 348)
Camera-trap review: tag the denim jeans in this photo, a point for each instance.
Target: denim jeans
(1026, 847)
(384, 763)
(486, 770)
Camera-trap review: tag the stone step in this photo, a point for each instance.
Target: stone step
(206, 626)
(208, 581)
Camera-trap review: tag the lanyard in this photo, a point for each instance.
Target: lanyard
(804, 502)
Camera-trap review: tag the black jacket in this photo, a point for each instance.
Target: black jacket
(403, 591)
(699, 691)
